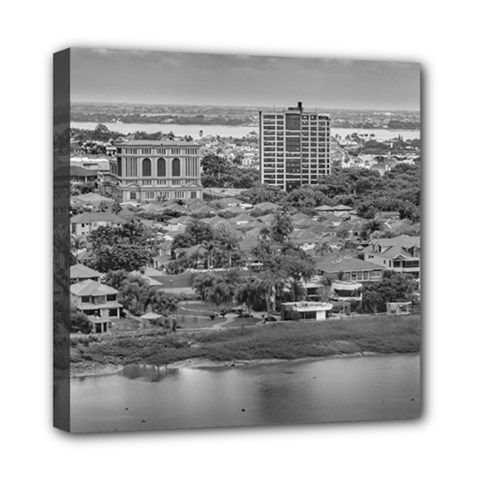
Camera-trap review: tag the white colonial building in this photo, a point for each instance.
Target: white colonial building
(149, 170)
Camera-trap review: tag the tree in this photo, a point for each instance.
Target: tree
(161, 302)
(102, 207)
(214, 165)
(262, 193)
(227, 246)
(247, 293)
(270, 281)
(304, 197)
(281, 227)
(116, 248)
(123, 256)
(116, 207)
(216, 288)
(195, 233)
(77, 243)
(114, 278)
(323, 290)
(212, 251)
(79, 321)
(371, 226)
(133, 293)
(394, 287)
(297, 290)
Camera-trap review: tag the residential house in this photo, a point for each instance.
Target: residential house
(79, 175)
(267, 206)
(333, 242)
(91, 200)
(305, 239)
(349, 269)
(400, 254)
(98, 301)
(242, 219)
(336, 210)
(85, 223)
(79, 273)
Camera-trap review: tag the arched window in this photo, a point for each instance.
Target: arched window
(161, 168)
(175, 167)
(146, 167)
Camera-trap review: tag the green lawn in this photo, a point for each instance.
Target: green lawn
(242, 322)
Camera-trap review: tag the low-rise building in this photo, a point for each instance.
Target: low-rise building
(85, 223)
(349, 269)
(346, 291)
(79, 273)
(90, 199)
(305, 310)
(97, 301)
(400, 254)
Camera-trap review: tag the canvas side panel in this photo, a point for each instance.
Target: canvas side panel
(61, 239)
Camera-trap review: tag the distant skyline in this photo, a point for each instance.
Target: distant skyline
(141, 76)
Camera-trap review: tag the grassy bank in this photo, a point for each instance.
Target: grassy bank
(382, 334)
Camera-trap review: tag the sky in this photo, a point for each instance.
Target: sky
(138, 76)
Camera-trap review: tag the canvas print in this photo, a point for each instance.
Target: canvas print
(237, 240)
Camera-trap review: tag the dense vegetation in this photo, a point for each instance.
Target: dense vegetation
(281, 341)
(120, 248)
(219, 172)
(218, 247)
(362, 189)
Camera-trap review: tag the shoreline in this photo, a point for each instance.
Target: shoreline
(230, 347)
(88, 369)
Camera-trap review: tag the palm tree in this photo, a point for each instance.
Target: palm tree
(76, 244)
(270, 281)
(324, 249)
(371, 226)
(247, 293)
(212, 251)
(323, 290)
(298, 290)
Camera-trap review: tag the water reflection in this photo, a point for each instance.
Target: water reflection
(146, 397)
(149, 373)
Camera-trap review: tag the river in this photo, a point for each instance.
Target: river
(298, 392)
(237, 131)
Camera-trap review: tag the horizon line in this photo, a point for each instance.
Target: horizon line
(239, 106)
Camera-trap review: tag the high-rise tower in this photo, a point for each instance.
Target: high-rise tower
(294, 147)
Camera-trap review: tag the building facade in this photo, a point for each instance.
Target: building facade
(294, 147)
(149, 170)
(400, 254)
(97, 301)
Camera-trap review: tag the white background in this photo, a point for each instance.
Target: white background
(444, 38)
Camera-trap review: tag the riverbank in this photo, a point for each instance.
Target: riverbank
(282, 341)
(236, 131)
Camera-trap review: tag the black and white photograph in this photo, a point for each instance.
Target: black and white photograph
(244, 240)
(237, 240)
